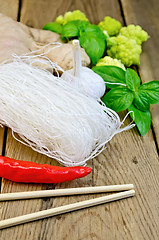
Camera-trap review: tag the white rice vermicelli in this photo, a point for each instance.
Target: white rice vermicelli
(52, 117)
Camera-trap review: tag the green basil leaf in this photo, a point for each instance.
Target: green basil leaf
(73, 29)
(94, 30)
(82, 25)
(111, 74)
(94, 46)
(141, 101)
(119, 98)
(151, 90)
(142, 119)
(132, 79)
(70, 30)
(54, 27)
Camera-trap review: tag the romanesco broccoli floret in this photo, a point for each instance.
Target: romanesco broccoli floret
(134, 32)
(71, 16)
(110, 25)
(124, 49)
(60, 19)
(111, 62)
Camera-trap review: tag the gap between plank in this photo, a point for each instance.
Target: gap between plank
(122, 12)
(3, 148)
(19, 11)
(155, 140)
(4, 141)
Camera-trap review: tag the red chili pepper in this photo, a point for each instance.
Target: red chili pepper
(24, 171)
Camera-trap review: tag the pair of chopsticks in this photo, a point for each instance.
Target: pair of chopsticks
(128, 191)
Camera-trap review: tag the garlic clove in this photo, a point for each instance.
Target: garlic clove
(84, 78)
(88, 82)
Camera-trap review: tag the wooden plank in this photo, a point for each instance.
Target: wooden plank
(37, 20)
(145, 14)
(37, 15)
(128, 219)
(19, 151)
(9, 8)
(128, 159)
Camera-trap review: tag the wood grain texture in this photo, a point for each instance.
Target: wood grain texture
(38, 14)
(9, 8)
(17, 150)
(146, 14)
(132, 159)
(128, 158)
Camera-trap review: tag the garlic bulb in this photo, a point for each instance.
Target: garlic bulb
(84, 78)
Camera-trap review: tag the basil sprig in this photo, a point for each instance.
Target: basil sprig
(129, 94)
(91, 37)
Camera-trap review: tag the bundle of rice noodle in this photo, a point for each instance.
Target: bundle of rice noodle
(50, 115)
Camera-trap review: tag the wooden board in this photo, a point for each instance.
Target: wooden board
(146, 14)
(128, 158)
(33, 16)
(10, 8)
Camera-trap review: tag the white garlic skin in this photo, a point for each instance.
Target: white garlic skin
(88, 81)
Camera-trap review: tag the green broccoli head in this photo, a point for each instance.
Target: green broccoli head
(124, 49)
(134, 32)
(110, 61)
(71, 16)
(110, 25)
